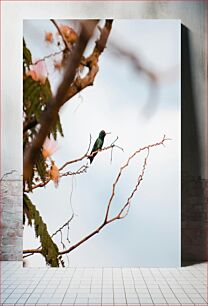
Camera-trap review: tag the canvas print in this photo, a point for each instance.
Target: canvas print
(101, 143)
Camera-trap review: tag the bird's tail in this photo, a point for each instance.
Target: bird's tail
(91, 158)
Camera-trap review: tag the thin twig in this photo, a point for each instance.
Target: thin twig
(60, 229)
(113, 146)
(67, 46)
(125, 166)
(78, 159)
(65, 224)
(82, 169)
(114, 141)
(140, 178)
(48, 56)
(28, 255)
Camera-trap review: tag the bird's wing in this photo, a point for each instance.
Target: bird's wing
(100, 143)
(97, 145)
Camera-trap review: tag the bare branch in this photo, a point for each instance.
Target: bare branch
(126, 206)
(91, 62)
(119, 215)
(49, 117)
(125, 166)
(82, 169)
(32, 251)
(86, 155)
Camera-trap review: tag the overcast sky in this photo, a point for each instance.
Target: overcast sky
(150, 234)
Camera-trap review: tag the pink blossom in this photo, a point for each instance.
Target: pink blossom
(38, 72)
(69, 34)
(49, 37)
(54, 173)
(50, 146)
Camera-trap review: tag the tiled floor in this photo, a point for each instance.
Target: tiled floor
(103, 286)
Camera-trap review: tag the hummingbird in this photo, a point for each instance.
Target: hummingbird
(97, 145)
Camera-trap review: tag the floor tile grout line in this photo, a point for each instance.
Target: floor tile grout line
(13, 291)
(171, 288)
(113, 287)
(91, 278)
(146, 285)
(135, 287)
(123, 284)
(69, 285)
(35, 286)
(159, 286)
(188, 296)
(102, 286)
(82, 272)
(198, 291)
(179, 285)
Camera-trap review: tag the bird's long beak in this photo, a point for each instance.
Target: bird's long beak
(108, 133)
